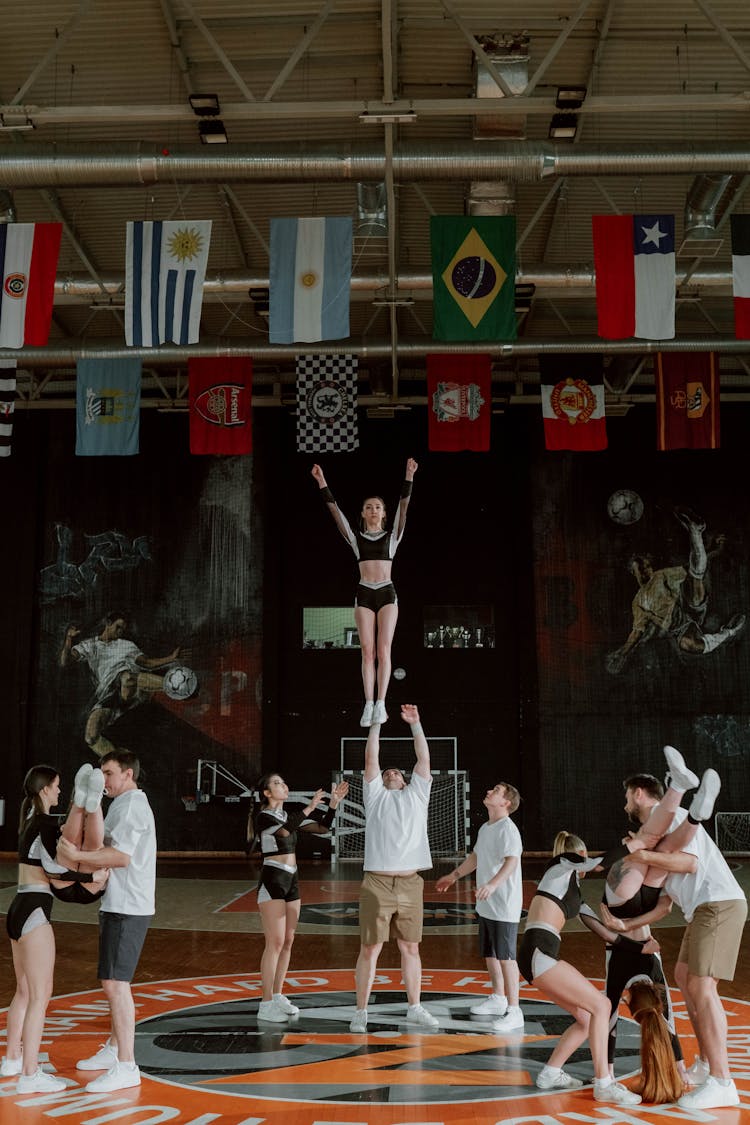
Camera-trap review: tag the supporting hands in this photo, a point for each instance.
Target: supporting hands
(317, 473)
(410, 713)
(411, 468)
(338, 792)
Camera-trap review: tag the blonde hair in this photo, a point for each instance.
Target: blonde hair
(660, 1078)
(567, 842)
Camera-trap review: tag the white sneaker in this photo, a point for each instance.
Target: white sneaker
(512, 1021)
(285, 1005)
(559, 1081)
(379, 715)
(699, 1071)
(104, 1058)
(39, 1083)
(272, 1012)
(121, 1076)
(416, 1014)
(702, 805)
(81, 785)
(358, 1023)
(710, 1095)
(366, 719)
(617, 1093)
(494, 1005)
(679, 776)
(11, 1067)
(95, 790)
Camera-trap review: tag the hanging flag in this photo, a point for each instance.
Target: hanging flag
(473, 277)
(220, 397)
(635, 276)
(741, 274)
(573, 401)
(108, 405)
(310, 280)
(28, 259)
(7, 404)
(327, 403)
(459, 402)
(687, 400)
(165, 267)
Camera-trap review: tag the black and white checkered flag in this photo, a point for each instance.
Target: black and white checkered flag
(7, 405)
(327, 403)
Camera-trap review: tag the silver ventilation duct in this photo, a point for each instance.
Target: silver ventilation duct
(708, 199)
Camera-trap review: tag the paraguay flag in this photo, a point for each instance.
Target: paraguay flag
(310, 280)
(165, 268)
(28, 256)
(635, 276)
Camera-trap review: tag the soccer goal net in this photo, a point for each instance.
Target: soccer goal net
(447, 816)
(733, 833)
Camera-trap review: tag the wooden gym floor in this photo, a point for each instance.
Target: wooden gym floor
(205, 1058)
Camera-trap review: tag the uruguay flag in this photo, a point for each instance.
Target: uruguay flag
(165, 267)
(28, 261)
(635, 276)
(310, 279)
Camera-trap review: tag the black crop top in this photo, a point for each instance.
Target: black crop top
(560, 881)
(292, 819)
(37, 845)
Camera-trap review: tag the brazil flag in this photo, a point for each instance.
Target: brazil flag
(473, 277)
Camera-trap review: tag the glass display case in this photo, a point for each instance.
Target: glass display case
(459, 626)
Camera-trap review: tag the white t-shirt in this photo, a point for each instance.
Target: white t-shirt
(129, 827)
(496, 841)
(396, 825)
(712, 881)
(107, 659)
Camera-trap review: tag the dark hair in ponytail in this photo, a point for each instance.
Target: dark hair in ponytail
(259, 804)
(38, 778)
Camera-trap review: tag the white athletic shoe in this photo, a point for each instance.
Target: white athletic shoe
(559, 1081)
(358, 1023)
(710, 1095)
(512, 1021)
(121, 1076)
(39, 1083)
(10, 1067)
(95, 790)
(285, 1005)
(699, 1071)
(271, 1012)
(420, 1017)
(617, 1093)
(379, 715)
(366, 719)
(81, 785)
(702, 805)
(494, 1005)
(679, 776)
(104, 1058)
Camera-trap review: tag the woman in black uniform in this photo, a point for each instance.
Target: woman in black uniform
(557, 899)
(28, 919)
(376, 604)
(279, 903)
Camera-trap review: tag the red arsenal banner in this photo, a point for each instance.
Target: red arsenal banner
(220, 399)
(687, 400)
(459, 402)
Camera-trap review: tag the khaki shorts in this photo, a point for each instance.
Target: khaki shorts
(711, 942)
(390, 906)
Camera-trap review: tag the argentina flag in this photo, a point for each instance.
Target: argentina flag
(165, 269)
(310, 278)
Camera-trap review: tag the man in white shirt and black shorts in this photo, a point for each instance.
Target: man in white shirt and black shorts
(127, 908)
(396, 850)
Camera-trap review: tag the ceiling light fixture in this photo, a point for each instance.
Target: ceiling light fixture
(563, 127)
(212, 132)
(570, 97)
(388, 118)
(204, 105)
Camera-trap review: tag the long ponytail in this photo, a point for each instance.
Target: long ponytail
(661, 1081)
(38, 778)
(567, 842)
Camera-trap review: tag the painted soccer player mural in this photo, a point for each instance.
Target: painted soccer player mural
(673, 601)
(123, 675)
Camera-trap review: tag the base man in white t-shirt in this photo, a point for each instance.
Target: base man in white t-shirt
(700, 882)
(497, 861)
(127, 908)
(396, 850)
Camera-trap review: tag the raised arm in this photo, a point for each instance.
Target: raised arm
(410, 715)
(337, 515)
(72, 634)
(403, 504)
(372, 753)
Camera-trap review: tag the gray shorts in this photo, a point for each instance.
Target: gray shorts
(121, 938)
(497, 939)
